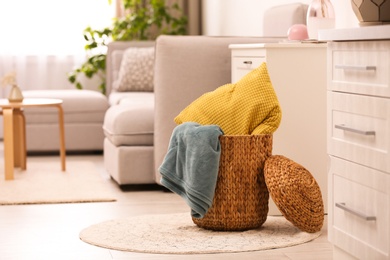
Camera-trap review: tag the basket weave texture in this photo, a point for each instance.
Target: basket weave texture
(295, 192)
(241, 195)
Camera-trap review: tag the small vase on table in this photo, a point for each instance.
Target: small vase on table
(15, 95)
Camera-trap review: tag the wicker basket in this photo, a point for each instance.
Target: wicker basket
(241, 195)
(295, 192)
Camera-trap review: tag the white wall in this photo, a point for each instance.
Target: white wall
(345, 17)
(244, 17)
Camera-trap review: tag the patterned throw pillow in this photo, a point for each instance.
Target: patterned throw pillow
(136, 70)
(249, 106)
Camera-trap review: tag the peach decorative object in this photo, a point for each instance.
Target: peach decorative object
(297, 32)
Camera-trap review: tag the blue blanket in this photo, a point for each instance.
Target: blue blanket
(190, 167)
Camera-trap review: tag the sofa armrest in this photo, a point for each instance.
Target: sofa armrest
(185, 68)
(278, 19)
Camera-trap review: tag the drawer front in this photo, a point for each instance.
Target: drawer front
(243, 65)
(360, 67)
(358, 129)
(360, 219)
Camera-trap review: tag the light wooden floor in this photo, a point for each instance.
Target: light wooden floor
(51, 231)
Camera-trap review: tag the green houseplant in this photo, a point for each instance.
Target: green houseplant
(142, 20)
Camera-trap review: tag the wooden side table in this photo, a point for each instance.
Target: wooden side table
(15, 135)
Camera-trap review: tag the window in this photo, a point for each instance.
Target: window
(50, 26)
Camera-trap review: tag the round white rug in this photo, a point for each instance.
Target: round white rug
(177, 234)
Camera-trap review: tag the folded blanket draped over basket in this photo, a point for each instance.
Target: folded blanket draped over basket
(190, 167)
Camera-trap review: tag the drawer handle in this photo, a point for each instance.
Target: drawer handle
(349, 67)
(354, 212)
(353, 130)
(247, 62)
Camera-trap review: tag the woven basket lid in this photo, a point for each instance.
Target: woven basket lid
(295, 192)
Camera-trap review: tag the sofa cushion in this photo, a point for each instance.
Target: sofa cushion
(249, 106)
(136, 70)
(131, 122)
(80, 106)
(116, 98)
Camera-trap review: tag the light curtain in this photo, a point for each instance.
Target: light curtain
(42, 40)
(192, 9)
(40, 71)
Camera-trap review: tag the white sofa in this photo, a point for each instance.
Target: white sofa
(83, 118)
(128, 124)
(134, 128)
(138, 125)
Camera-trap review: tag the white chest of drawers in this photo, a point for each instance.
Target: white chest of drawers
(358, 130)
(298, 74)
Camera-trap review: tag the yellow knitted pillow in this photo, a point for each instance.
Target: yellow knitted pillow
(249, 106)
